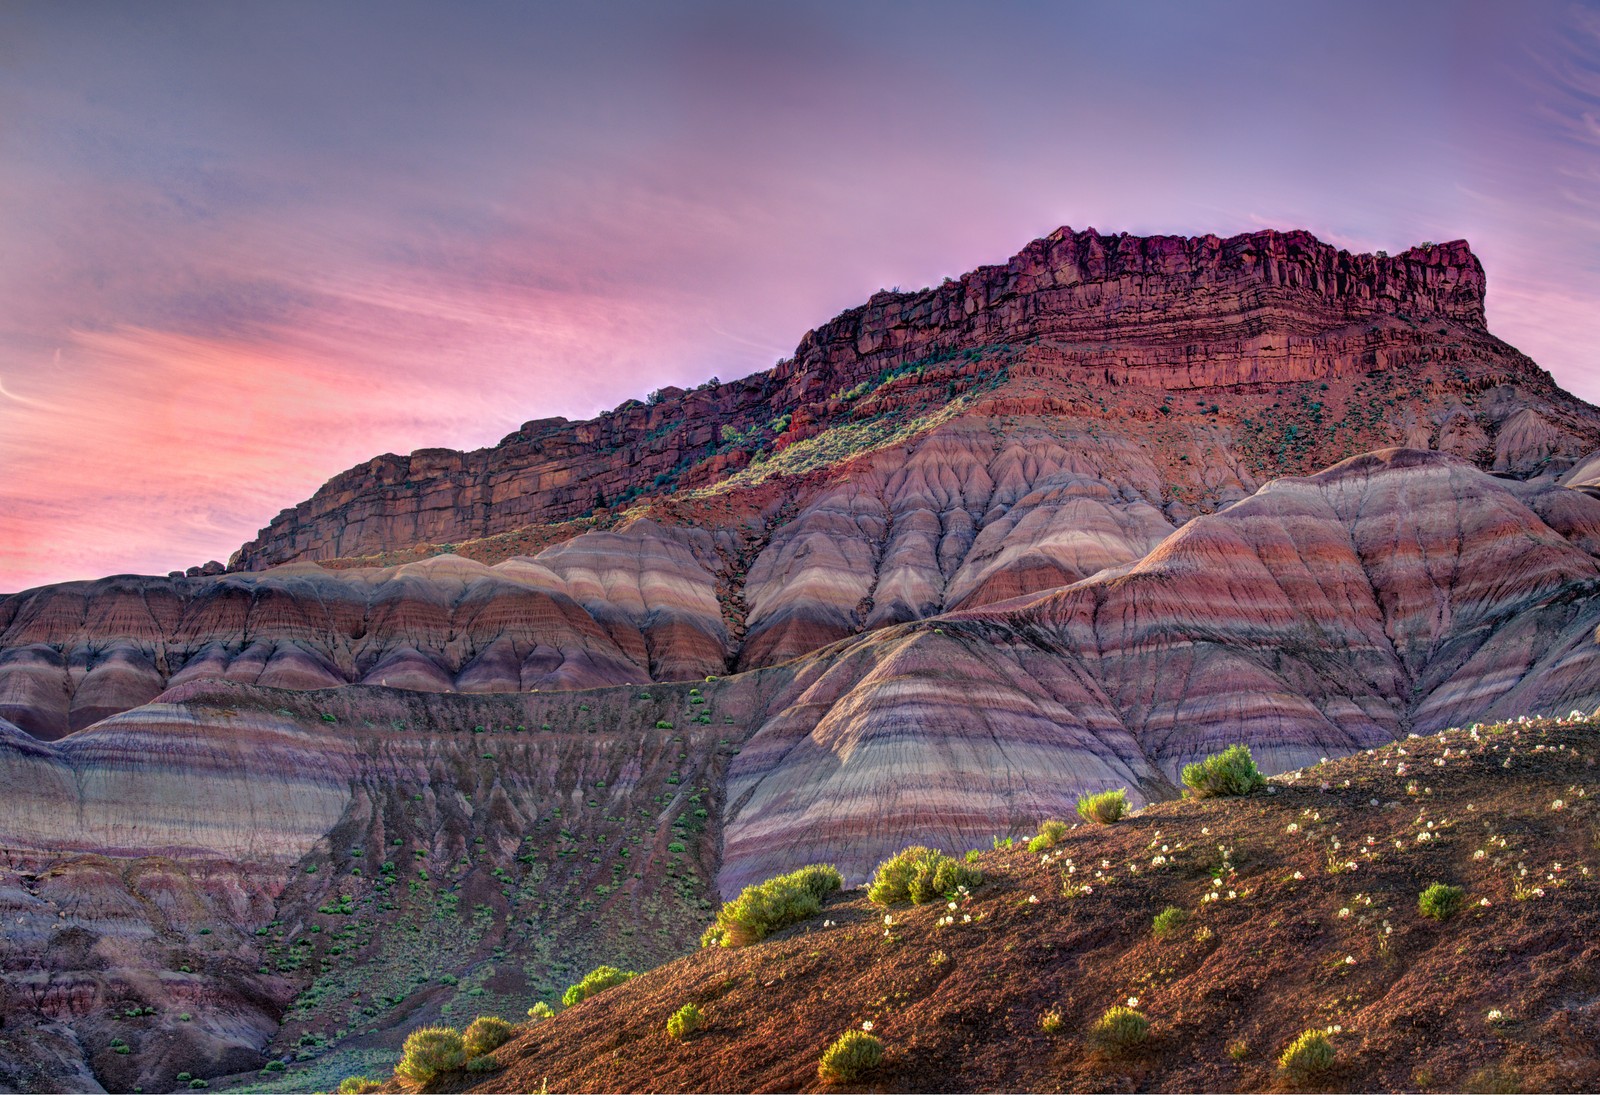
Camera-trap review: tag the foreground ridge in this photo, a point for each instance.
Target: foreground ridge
(1296, 909)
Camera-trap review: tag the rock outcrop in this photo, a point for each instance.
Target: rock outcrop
(604, 609)
(1011, 432)
(1060, 525)
(1163, 313)
(1399, 592)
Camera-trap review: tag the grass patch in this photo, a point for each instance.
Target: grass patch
(359, 1085)
(769, 906)
(1104, 808)
(1230, 772)
(1441, 901)
(852, 1056)
(596, 980)
(1169, 920)
(1050, 834)
(918, 875)
(1309, 1055)
(1120, 1029)
(684, 1022)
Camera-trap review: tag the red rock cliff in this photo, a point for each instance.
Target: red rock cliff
(1163, 311)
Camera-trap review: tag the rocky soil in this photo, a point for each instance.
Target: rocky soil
(1299, 911)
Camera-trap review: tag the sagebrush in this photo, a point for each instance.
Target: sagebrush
(485, 1034)
(854, 1054)
(596, 980)
(1230, 772)
(429, 1052)
(918, 875)
(765, 907)
(1105, 807)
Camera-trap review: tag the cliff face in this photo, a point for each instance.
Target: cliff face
(283, 864)
(1399, 592)
(1060, 525)
(1015, 431)
(1164, 312)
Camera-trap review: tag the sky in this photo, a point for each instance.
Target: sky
(244, 247)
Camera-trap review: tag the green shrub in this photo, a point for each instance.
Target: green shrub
(428, 1052)
(596, 980)
(1441, 901)
(1120, 1029)
(854, 1054)
(540, 1012)
(483, 1063)
(1169, 919)
(274, 1066)
(920, 875)
(1307, 1055)
(485, 1034)
(684, 1022)
(1230, 772)
(1105, 807)
(1050, 1021)
(358, 1085)
(768, 906)
(199, 1083)
(1050, 834)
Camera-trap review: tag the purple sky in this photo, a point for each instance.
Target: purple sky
(246, 246)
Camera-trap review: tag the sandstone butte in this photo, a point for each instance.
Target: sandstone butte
(463, 725)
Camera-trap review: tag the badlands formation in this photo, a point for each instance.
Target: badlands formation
(463, 723)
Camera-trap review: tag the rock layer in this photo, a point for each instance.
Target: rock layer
(1165, 313)
(1399, 592)
(1011, 432)
(605, 609)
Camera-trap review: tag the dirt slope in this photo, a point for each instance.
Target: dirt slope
(1302, 908)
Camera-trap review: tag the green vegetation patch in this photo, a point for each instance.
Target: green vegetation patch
(852, 1056)
(769, 906)
(918, 875)
(1307, 1056)
(1230, 772)
(1441, 901)
(1103, 808)
(430, 1051)
(596, 980)
(684, 1022)
(1050, 834)
(1120, 1029)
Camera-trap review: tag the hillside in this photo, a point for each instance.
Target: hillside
(1016, 430)
(1301, 911)
(1061, 525)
